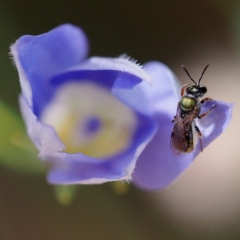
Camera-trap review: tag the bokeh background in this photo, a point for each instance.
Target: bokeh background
(204, 203)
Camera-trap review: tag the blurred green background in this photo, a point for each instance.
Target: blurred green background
(204, 202)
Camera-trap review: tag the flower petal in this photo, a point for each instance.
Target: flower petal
(43, 136)
(161, 96)
(78, 168)
(109, 72)
(48, 61)
(157, 167)
(121, 64)
(39, 57)
(69, 168)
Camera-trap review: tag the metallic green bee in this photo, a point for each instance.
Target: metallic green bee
(185, 133)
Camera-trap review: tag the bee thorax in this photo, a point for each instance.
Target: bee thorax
(188, 103)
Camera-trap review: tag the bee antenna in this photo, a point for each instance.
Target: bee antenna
(189, 74)
(202, 74)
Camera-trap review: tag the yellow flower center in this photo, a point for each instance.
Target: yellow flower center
(90, 120)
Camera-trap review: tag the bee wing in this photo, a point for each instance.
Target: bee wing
(178, 141)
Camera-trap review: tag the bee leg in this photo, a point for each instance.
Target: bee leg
(206, 113)
(173, 119)
(200, 137)
(184, 88)
(205, 100)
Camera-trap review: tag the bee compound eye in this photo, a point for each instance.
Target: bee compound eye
(203, 89)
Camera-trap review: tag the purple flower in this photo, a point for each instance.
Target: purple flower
(102, 119)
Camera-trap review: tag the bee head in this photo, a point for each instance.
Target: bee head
(196, 90)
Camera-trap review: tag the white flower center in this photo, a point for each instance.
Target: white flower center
(90, 120)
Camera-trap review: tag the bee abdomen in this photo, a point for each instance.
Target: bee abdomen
(191, 138)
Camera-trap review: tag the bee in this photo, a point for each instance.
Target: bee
(185, 133)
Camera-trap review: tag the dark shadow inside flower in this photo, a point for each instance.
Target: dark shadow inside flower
(43, 91)
(92, 125)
